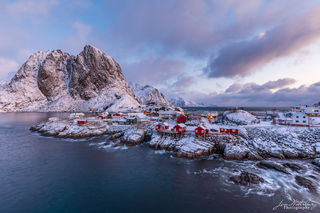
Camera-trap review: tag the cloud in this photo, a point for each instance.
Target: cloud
(253, 87)
(252, 94)
(6, 66)
(82, 35)
(183, 82)
(154, 70)
(241, 58)
(30, 7)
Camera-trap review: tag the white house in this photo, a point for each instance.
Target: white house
(313, 111)
(142, 117)
(300, 119)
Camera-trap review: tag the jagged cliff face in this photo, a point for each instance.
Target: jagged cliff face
(148, 95)
(94, 71)
(58, 81)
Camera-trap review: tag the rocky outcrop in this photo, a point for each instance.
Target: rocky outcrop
(66, 128)
(294, 167)
(133, 136)
(272, 165)
(316, 162)
(235, 152)
(57, 81)
(239, 117)
(246, 178)
(306, 183)
(186, 147)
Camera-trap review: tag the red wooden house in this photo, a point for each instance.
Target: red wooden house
(234, 131)
(102, 117)
(81, 122)
(201, 130)
(230, 131)
(181, 118)
(117, 115)
(180, 128)
(162, 126)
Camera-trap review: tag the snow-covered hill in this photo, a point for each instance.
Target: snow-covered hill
(148, 95)
(57, 81)
(239, 117)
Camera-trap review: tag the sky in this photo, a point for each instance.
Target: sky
(230, 52)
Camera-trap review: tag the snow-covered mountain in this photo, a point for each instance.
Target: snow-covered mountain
(184, 103)
(57, 81)
(148, 95)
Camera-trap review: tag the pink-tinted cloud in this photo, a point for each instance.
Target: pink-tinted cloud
(241, 58)
(155, 70)
(252, 94)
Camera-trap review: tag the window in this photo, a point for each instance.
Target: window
(297, 116)
(304, 116)
(297, 121)
(304, 121)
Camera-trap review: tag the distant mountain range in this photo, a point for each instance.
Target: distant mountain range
(185, 102)
(148, 95)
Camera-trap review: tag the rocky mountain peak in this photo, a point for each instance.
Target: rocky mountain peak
(57, 81)
(148, 95)
(94, 71)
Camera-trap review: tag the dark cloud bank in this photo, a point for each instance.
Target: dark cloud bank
(252, 94)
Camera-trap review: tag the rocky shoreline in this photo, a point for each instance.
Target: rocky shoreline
(252, 143)
(271, 148)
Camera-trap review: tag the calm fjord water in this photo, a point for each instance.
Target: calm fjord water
(40, 174)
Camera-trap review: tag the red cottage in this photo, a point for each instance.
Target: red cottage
(200, 130)
(102, 117)
(81, 122)
(162, 126)
(224, 130)
(180, 128)
(181, 118)
(230, 131)
(234, 131)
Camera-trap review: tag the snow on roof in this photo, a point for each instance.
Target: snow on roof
(130, 118)
(202, 126)
(170, 112)
(182, 125)
(141, 116)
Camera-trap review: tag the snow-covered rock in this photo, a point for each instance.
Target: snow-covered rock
(134, 136)
(66, 128)
(316, 162)
(57, 81)
(148, 95)
(187, 147)
(235, 152)
(240, 117)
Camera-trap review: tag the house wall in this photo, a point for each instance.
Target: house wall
(300, 119)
